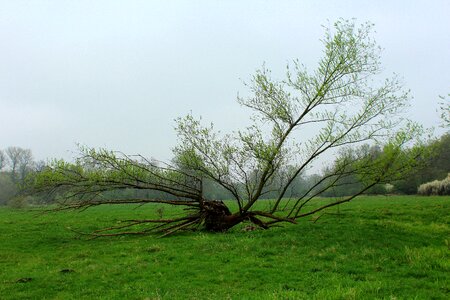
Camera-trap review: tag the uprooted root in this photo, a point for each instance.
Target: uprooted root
(213, 216)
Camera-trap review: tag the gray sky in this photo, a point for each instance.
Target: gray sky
(116, 74)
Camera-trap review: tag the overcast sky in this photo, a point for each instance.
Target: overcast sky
(116, 74)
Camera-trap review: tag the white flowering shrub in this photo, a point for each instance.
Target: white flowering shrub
(436, 187)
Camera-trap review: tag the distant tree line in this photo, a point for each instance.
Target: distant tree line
(436, 168)
(17, 163)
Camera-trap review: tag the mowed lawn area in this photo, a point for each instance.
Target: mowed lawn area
(372, 248)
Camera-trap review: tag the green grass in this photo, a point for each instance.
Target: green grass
(372, 248)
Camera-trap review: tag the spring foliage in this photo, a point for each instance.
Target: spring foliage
(336, 108)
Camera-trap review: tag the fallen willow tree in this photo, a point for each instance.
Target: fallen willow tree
(295, 121)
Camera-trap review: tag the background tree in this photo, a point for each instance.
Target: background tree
(445, 111)
(295, 121)
(3, 160)
(20, 161)
(26, 164)
(436, 167)
(15, 166)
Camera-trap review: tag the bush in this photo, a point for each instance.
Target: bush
(7, 188)
(436, 187)
(18, 202)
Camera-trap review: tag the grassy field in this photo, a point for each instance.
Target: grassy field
(372, 248)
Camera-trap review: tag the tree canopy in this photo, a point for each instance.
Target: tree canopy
(338, 107)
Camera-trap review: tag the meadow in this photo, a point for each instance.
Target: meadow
(395, 247)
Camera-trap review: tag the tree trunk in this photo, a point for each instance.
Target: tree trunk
(218, 217)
